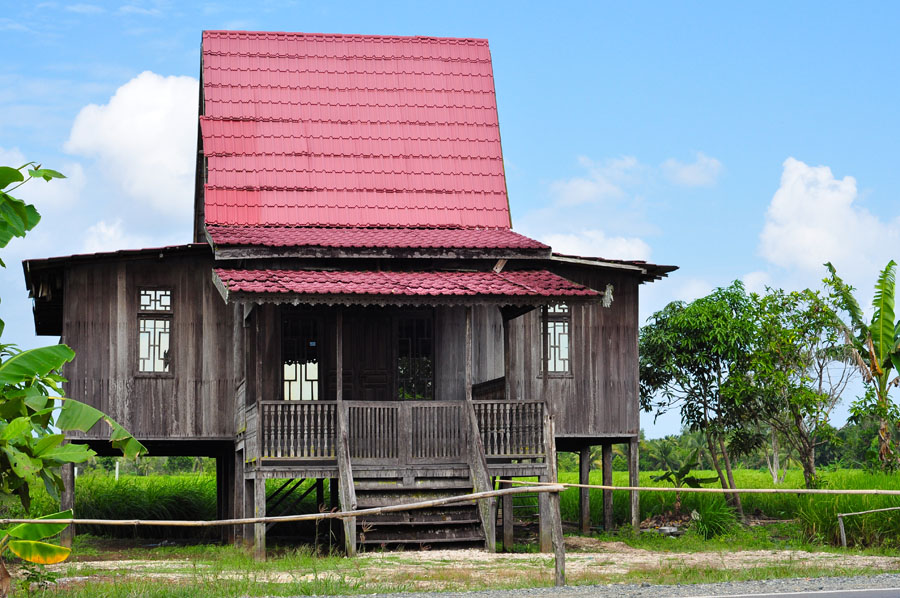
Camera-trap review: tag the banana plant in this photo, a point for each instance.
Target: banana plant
(26, 542)
(682, 477)
(875, 348)
(34, 413)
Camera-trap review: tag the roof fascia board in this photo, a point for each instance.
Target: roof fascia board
(598, 264)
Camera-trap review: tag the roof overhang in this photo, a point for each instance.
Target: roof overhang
(647, 271)
(382, 288)
(243, 242)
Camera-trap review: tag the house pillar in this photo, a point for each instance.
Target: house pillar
(67, 501)
(584, 494)
(225, 492)
(259, 510)
(508, 521)
(634, 481)
(606, 465)
(237, 499)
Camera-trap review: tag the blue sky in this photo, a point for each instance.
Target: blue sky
(750, 141)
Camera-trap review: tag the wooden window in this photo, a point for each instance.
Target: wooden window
(300, 358)
(154, 331)
(415, 357)
(557, 320)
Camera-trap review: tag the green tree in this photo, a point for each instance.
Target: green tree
(876, 351)
(797, 370)
(692, 356)
(34, 416)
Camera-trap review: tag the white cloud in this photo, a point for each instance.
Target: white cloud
(692, 288)
(703, 172)
(814, 218)
(44, 194)
(603, 181)
(144, 140)
(130, 9)
(757, 281)
(85, 9)
(595, 243)
(111, 236)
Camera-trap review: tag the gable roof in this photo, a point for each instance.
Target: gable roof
(315, 130)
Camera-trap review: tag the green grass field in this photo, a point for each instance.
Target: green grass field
(816, 515)
(194, 497)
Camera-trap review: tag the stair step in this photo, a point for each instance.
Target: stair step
(447, 522)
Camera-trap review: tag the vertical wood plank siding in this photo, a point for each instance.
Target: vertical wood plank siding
(600, 397)
(100, 324)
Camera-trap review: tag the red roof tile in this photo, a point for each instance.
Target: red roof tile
(521, 284)
(413, 238)
(351, 131)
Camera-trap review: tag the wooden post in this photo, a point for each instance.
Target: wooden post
(508, 521)
(225, 492)
(249, 502)
(320, 493)
(584, 477)
(606, 464)
(259, 510)
(237, 489)
(67, 501)
(475, 453)
(346, 490)
(551, 510)
(544, 507)
(634, 481)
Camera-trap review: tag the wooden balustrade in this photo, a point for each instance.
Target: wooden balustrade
(401, 431)
(298, 429)
(511, 429)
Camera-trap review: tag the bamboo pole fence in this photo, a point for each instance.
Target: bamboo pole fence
(559, 549)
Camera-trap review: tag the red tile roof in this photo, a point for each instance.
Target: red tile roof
(513, 284)
(413, 238)
(351, 131)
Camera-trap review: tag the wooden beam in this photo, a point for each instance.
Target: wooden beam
(634, 482)
(606, 464)
(346, 490)
(584, 494)
(67, 501)
(481, 479)
(237, 503)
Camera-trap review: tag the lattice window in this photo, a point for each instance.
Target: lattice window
(154, 330)
(557, 327)
(415, 358)
(300, 358)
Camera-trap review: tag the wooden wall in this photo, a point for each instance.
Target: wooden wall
(600, 398)
(100, 324)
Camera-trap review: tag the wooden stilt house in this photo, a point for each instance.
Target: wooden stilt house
(354, 306)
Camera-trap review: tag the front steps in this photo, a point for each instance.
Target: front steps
(451, 526)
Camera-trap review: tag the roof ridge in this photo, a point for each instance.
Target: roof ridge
(355, 36)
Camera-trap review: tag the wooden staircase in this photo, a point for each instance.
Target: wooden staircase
(446, 526)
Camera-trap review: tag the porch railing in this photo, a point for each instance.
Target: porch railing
(511, 429)
(298, 429)
(378, 431)
(406, 431)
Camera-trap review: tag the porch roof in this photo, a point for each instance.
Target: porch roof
(522, 287)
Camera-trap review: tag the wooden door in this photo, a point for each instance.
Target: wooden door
(369, 354)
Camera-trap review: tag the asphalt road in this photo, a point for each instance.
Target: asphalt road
(875, 586)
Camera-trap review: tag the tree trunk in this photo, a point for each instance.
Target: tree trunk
(737, 497)
(772, 462)
(715, 460)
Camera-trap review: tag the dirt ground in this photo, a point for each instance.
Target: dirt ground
(587, 560)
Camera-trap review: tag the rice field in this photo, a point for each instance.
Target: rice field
(815, 514)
